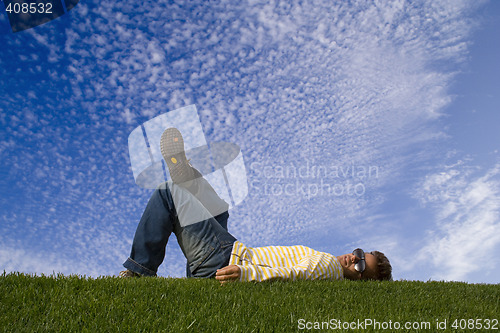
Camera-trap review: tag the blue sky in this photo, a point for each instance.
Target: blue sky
(407, 91)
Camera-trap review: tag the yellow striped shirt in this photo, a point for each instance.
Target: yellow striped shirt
(284, 262)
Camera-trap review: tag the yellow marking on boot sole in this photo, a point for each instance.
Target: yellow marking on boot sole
(173, 160)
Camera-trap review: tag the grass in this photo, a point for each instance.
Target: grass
(108, 304)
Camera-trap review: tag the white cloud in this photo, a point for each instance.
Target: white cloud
(29, 262)
(467, 230)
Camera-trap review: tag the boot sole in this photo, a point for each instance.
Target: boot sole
(172, 150)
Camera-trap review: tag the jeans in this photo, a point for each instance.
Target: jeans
(203, 238)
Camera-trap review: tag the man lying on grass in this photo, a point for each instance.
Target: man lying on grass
(189, 207)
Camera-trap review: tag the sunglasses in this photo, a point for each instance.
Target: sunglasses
(361, 264)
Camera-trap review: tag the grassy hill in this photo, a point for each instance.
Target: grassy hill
(72, 303)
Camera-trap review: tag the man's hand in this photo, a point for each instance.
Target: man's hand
(228, 273)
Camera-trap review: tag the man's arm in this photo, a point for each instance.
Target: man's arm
(261, 273)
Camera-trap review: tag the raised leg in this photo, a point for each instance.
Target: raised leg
(206, 244)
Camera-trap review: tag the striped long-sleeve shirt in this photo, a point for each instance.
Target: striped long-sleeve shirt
(285, 263)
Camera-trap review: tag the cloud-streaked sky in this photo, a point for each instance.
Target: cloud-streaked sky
(370, 124)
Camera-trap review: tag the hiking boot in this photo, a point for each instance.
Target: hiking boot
(128, 274)
(172, 150)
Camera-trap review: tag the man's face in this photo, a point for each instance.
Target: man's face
(347, 261)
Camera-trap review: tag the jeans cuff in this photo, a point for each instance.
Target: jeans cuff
(135, 267)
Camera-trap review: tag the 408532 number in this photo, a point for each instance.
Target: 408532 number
(29, 8)
(475, 324)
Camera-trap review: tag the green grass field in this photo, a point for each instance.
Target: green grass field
(59, 303)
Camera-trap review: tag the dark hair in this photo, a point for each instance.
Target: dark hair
(384, 268)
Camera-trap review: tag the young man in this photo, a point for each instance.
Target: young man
(190, 208)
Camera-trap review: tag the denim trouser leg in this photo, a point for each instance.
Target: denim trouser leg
(205, 243)
(222, 219)
(205, 193)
